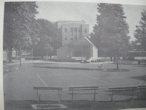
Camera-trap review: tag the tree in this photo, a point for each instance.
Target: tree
(140, 32)
(111, 30)
(96, 36)
(17, 22)
(48, 38)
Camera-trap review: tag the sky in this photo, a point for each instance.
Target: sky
(77, 11)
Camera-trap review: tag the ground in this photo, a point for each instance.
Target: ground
(79, 105)
(19, 83)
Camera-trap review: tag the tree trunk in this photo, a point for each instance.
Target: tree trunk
(20, 55)
(114, 58)
(117, 59)
(111, 58)
(46, 56)
(9, 53)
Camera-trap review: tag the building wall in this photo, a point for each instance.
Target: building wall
(62, 53)
(93, 53)
(72, 30)
(80, 48)
(60, 23)
(85, 30)
(81, 51)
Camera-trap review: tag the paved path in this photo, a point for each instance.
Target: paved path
(41, 61)
(51, 64)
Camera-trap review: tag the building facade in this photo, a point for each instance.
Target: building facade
(72, 30)
(82, 48)
(75, 41)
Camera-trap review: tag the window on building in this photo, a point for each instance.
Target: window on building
(65, 29)
(85, 30)
(76, 38)
(65, 38)
(75, 29)
(71, 29)
(79, 30)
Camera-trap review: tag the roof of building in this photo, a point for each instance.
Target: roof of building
(69, 21)
(78, 40)
(90, 42)
(74, 25)
(63, 22)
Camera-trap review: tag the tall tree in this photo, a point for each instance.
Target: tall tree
(140, 32)
(111, 29)
(48, 36)
(17, 22)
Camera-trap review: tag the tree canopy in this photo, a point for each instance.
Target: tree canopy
(21, 29)
(140, 32)
(18, 20)
(111, 31)
(18, 17)
(48, 38)
(110, 34)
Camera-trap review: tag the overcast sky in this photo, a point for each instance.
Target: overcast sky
(54, 11)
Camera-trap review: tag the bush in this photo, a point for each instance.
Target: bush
(63, 60)
(131, 58)
(84, 61)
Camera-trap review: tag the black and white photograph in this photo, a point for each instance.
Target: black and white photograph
(69, 55)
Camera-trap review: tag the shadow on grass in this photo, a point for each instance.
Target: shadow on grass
(79, 105)
(71, 68)
(115, 70)
(142, 65)
(76, 68)
(143, 77)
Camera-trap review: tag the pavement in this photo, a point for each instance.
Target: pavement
(69, 65)
(19, 83)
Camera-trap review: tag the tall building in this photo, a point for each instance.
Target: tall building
(72, 30)
(75, 41)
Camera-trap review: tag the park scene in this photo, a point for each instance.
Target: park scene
(74, 56)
